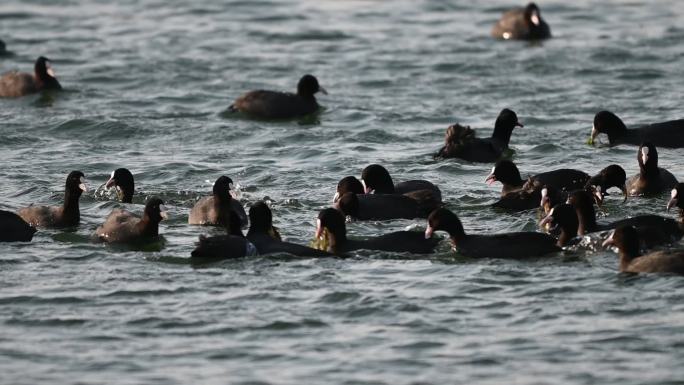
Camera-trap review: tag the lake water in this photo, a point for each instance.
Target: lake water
(146, 87)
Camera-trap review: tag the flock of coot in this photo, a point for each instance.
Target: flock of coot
(566, 197)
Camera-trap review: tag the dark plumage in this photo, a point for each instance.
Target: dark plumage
(653, 229)
(266, 238)
(59, 216)
(221, 247)
(14, 84)
(213, 210)
(122, 226)
(400, 241)
(281, 105)
(122, 179)
(668, 134)
(377, 180)
(506, 172)
(386, 206)
(523, 24)
(348, 184)
(531, 195)
(3, 48)
(14, 229)
(626, 239)
(229, 246)
(461, 142)
(507, 245)
(611, 176)
(651, 180)
(563, 217)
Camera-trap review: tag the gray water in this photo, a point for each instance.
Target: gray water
(147, 84)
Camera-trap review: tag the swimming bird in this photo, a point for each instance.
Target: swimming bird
(122, 226)
(377, 180)
(330, 225)
(611, 176)
(281, 105)
(14, 84)
(461, 142)
(668, 134)
(505, 245)
(653, 229)
(14, 229)
(122, 179)
(213, 210)
(651, 179)
(385, 206)
(348, 184)
(626, 240)
(58, 216)
(523, 24)
(265, 237)
(232, 245)
(562, 216)
(531, 195)
(506, 172)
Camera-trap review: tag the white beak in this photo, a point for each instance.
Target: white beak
(366, 189)
(609, 241)
(534, 18)
(50, 71)
(544, 197)
(163, 213)
(83, 186)
(644, 155)
(428, 232)
(336, 197)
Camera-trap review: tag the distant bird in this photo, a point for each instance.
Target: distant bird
(14, 229)
(522, 24)
(281, 105)
(66, 215)
(14, 84)
(626, 240)
(122, 226)
(461, 142)
(668, 134)
(122, 179)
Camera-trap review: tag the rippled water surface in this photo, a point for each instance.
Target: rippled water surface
(147, 84)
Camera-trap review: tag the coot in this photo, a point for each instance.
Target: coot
(14, 84)
(59, 216)
(281, 105)
(461, 142)
(523, 24)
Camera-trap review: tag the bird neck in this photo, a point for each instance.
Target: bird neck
(502, 134)
(148, 227)
(587, 220)
(71, 209)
